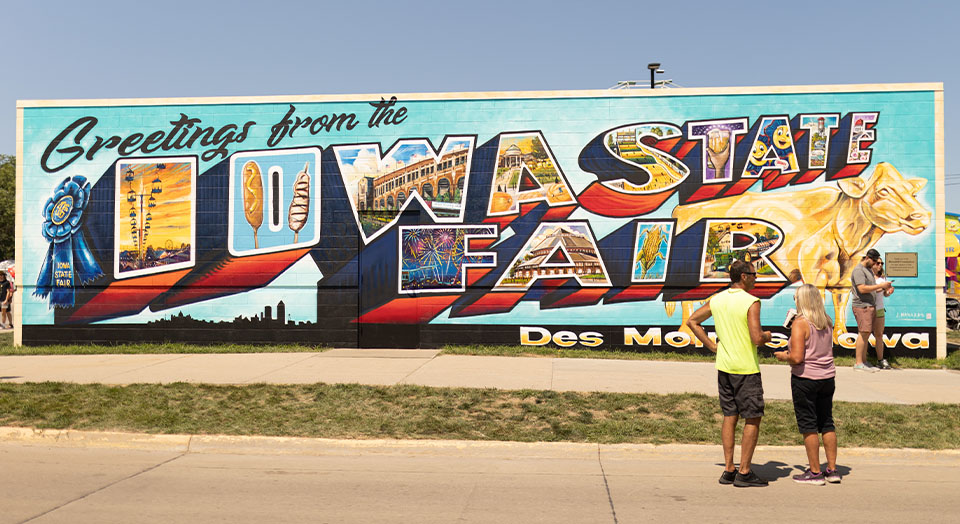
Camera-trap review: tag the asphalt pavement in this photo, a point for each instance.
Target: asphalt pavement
(78, 478)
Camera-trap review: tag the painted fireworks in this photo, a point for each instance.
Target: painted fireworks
(435, 258)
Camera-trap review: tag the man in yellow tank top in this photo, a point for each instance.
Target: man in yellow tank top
(736, 315)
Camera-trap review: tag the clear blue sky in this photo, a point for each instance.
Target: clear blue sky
(110, 49)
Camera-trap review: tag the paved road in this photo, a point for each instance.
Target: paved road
(425, 367)
(106, 479)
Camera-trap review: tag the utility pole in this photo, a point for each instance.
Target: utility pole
(654, 68)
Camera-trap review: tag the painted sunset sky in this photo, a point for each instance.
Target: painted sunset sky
(171, 217)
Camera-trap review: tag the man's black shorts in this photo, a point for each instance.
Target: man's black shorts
(740, 394)
(813, 404)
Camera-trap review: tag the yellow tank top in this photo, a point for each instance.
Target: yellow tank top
(736, 353)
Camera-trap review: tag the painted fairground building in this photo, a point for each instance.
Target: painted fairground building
(596, 219)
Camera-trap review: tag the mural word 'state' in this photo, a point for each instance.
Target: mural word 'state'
(591, 219)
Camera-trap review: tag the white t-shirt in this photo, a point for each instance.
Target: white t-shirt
(879, 292)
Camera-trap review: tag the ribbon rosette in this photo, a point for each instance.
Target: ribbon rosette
(69, 261)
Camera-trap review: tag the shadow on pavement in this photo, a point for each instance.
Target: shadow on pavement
(773, 470)
(799, 468)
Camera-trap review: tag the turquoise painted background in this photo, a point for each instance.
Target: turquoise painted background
(904, 138)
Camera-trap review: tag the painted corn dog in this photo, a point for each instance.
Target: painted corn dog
(253, 197)
(300, 204)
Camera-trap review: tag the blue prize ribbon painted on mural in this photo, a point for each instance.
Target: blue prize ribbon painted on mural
(69, 261)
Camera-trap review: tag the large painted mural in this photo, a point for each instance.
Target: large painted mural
(592, 219)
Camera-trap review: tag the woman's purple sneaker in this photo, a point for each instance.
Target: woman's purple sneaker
(809, 477)
(832, 476)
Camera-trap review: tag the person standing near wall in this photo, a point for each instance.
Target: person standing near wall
(879, 320)
(864, 302)
(6, 298)
(810, 355)
(736, 314)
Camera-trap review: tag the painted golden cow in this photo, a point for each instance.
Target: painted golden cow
(826, 230)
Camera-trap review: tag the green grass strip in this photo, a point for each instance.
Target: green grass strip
(7, 348)
(415, 412)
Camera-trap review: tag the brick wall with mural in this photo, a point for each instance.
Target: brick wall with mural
(593, 219)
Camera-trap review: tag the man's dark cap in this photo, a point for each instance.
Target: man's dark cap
(874, 254)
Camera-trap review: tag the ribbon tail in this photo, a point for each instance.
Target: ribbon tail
(86, 267)
(45, 278)
(63, 275)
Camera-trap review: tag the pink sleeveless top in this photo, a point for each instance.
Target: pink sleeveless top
(818, 355)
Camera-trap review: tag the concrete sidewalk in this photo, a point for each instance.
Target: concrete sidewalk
(427, 368)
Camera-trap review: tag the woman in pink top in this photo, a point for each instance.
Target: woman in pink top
(810, 356)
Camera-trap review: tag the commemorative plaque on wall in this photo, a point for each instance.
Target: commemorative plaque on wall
(900, 265)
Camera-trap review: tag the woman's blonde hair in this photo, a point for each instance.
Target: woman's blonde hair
(810, 305)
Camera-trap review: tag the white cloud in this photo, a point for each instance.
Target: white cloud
(366, 162)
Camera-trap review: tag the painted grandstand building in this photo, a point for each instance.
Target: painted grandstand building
(562, 252)
(436, 181)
